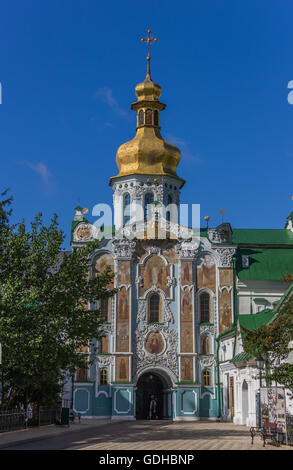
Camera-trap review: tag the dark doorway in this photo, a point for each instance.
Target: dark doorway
(148, 385)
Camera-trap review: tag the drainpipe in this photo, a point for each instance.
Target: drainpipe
(235, 292)
(218, 381)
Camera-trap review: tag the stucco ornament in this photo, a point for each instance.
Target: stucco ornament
(85, 232)
(167, 315)
(207, 361)
(226, 257)
(207, 329)
(187, 249)
(103, 361)
(123, 248)
(166, 358)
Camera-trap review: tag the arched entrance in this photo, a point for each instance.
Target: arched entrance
(152, 384)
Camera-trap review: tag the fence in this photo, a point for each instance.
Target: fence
(289, 425)
(12, 420)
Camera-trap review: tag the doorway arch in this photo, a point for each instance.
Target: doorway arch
(153, 384)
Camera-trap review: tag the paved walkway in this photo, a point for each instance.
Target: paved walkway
(168, 435)
(8, 439)
(136, 435)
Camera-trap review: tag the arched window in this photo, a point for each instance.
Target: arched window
(206, 378)
(204, 307)
(103, 377)
(126, 209)
(156, 117)
(149, 198)
(205, 345)
(168, 212)
(149, 117)
(140, 117)
(154, 308)
(104, 310)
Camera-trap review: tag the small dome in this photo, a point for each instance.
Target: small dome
(148, 90)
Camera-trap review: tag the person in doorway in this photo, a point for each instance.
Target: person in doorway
(153, 408)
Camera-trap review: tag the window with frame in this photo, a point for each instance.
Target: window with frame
(168, 212)
(156, 117)
(104, 310)
(154, 308)
(206, 378)
(149, 117)
(204, 307)
(126, 209)
(140, 118)
(103, 376)
(149, 198)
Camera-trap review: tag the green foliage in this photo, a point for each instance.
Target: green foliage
(271, 341)
(44, 315)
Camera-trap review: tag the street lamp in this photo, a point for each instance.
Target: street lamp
(260, 363)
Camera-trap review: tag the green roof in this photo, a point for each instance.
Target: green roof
(265, 263)
(253, 321)
(262, 236)
(243, 356)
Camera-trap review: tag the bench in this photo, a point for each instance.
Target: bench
(268, 431)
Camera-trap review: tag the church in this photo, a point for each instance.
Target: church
(172, 332)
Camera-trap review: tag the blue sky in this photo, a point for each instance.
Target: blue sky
(68, 71)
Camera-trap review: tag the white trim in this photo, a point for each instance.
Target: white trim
(186, 418)
(123, 418)
(181, 402)
(102, 392)
(212, 394)
(88, 404)
(115, 403)
(96, 417)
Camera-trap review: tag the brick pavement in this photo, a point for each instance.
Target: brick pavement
(167, 435)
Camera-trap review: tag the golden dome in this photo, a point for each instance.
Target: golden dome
(148, 90)
(148, 153)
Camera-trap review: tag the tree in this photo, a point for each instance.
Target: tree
(272, 341)
(44, 314)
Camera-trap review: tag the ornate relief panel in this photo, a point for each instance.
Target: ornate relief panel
(162, 351)
(226, 257)
(85, 232)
